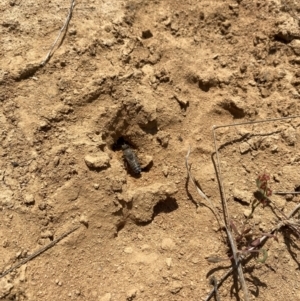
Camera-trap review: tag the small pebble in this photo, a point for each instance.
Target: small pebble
(44, 126)
(163, 138)
(247, 212)
(131, 294)
(145, 247)
(96, 186)
(84, 220)
(165, 170)
(295, 45)
(29, 199)
(108, 27)
(176, 286)
(98, 161)
(169, 262)
(56, 161)
(47, 234)
(77, 292)
(128, 250)
(5, 287)
(167, 244)
(242, 195)
(106, 297)
(42, 206)
(274, 148)
(195, 260)
(145, 161)
(72, 32)
(244, 147)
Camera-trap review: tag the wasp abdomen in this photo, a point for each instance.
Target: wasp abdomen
(131, 159)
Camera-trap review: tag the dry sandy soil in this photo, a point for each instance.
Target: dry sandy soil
(158, 75)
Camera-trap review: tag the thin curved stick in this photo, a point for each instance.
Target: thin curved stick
(37, 253)
(50, 53)
(236, 258)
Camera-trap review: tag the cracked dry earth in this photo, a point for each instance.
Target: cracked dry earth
(157, 75)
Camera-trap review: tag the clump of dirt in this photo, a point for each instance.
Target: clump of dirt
(143, 201)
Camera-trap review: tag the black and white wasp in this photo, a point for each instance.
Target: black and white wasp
(131, 159)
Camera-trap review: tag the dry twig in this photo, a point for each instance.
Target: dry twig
(62, 30)
(214, 282)
(202, 194)
(37, 253)
(286, 192)
(228, 232)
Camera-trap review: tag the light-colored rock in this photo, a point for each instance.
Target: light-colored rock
(6, 197)
(131, 294)
(145, 161)
(144, 199)
(22, 275)
(288, 29)
(44, 125)
(175, 287)
(167, 244)
(163, 138)
(289, 135)
(244, 147)
(295, 44)
(106, 297)
(56, 161)
(242, 195)
(145, 258)
(47, 234)
(29, 199)
(247, 212)
(84, 220)
(165, 170)
(169, 262)
(5, 287)
(128, 250)
(97, 161)
(145, 247)
(96, 186)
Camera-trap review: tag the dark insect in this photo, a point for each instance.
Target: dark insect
(131, 159)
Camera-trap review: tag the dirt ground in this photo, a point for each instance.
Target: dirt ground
(156, 75)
